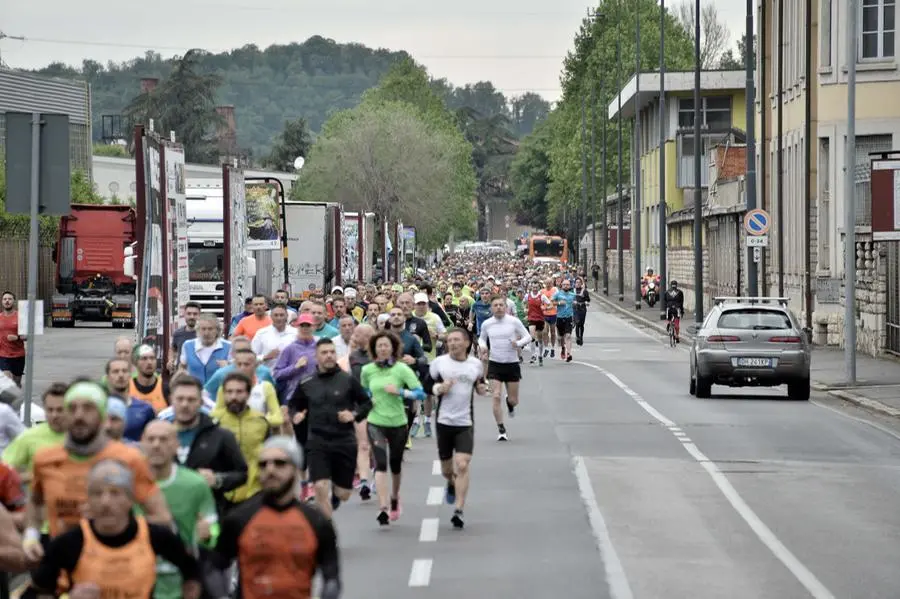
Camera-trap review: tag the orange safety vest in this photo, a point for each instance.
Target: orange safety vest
(121, 572)
(155, 398)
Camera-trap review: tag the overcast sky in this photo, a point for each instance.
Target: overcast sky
(517, 44)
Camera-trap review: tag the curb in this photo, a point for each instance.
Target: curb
(865, 403)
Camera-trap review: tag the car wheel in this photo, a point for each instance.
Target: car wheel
(704, 387)
(799, 391)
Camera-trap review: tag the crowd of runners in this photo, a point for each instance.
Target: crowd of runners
(223, 476)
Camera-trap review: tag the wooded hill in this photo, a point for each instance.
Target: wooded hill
(268, 87)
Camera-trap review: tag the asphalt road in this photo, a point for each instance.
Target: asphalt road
(617, 483)
(63, 354)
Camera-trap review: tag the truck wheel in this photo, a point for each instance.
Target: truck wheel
(799, 390)
(128, 325)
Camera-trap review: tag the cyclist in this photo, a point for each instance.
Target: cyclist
(673, 300)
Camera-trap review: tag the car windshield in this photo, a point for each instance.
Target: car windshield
(754, 319)
(206, 263)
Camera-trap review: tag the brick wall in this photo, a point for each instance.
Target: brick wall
(731, 161)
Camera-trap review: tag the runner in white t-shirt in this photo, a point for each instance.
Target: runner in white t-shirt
(458, 377)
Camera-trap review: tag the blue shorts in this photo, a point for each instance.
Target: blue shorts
(550, 319)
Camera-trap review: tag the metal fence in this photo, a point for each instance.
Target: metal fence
(14, 269)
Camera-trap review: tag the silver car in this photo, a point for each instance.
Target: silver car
(750, 341)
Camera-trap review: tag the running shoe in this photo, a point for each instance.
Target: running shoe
(414, 430)
(396, 509)
(552, 353)
(365, 493)
(383, 518)
(457, 519)
(501, 433)
(450, 494)
(335, 502)
(569, 358)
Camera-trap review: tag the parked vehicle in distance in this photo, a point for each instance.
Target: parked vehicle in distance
(91, 282)
(750, 342)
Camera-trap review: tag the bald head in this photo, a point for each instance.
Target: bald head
(160, 444)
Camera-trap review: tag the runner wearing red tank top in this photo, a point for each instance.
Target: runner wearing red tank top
(536, 302)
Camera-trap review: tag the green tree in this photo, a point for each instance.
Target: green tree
(295, 140)
(383, 157)
(184, 102)
(737, 62)
(530, 177)
(592, 64)
(528, 110)
(82, 190)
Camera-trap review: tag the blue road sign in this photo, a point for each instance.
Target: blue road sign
(757, 222)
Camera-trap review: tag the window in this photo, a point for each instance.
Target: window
(754, 320)
(877, 29)
(716, 112)
(825, 33)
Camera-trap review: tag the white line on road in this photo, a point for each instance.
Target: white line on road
(420, 574)
(436, 468)
(763, 532)
(615, 573)
(429, 531)
(435, 496)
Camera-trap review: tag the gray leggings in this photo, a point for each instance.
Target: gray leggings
(388, 444)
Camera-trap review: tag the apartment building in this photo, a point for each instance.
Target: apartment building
(877, 130)
(723, 113)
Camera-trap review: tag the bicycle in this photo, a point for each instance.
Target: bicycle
(671, 328)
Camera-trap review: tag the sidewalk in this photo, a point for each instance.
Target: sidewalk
(877, 386)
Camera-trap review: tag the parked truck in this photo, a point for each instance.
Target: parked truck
(314, 231)
(91, 282)
(206, 247)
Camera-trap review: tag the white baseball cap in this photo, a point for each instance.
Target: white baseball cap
(420, 298)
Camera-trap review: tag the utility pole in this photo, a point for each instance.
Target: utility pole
(584, 169)
(807, 185)
(764, 190)
(850, 202)
(698, 184)
(750, 195)
(604, 207)
(663, 207)
(636, 215)
(619, 237)
(779, 181)
(593, 178)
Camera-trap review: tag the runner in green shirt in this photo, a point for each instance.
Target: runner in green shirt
(391, 383)
(190, 501)
(20, 453)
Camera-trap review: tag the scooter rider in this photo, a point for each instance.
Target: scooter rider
(673, 301)
(646, 282)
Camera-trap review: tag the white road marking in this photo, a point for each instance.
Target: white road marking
(436, 468)
(615, 574)
(420, 574)
(435, 496)
(763, 532)
(429, 531)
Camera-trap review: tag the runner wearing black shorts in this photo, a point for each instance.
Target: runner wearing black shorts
(501, 337)
(456, 377)
(333, 401)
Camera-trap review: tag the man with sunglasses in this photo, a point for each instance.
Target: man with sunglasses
(269, 535)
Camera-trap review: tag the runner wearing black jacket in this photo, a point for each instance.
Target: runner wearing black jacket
(332, 401)
(204, 446)
(582, 299)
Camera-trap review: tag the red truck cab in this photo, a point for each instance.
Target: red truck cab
(91, 283)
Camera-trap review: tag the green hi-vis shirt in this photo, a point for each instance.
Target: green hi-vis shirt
(388, 409)
(20, 453)
(190, 500)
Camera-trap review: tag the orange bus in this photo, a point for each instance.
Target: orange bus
(548, 248)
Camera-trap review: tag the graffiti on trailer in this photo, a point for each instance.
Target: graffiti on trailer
(305, 269)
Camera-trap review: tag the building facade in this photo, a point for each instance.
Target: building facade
(723, 112)
(877, 130)
(27, 92)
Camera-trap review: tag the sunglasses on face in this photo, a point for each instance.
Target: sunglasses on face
(277, 462)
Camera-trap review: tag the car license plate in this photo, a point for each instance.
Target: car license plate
(755, 362)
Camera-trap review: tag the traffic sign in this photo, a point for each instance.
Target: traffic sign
(758, 241)
(757, 221)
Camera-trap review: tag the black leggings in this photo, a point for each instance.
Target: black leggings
(388, 444)
(580, 316)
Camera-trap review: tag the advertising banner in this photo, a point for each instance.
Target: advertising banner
(151, 322)
(177, 241)
(263, 216)
(235, 230)
(352, 246)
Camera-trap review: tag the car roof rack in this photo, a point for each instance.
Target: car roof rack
(782, 301)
